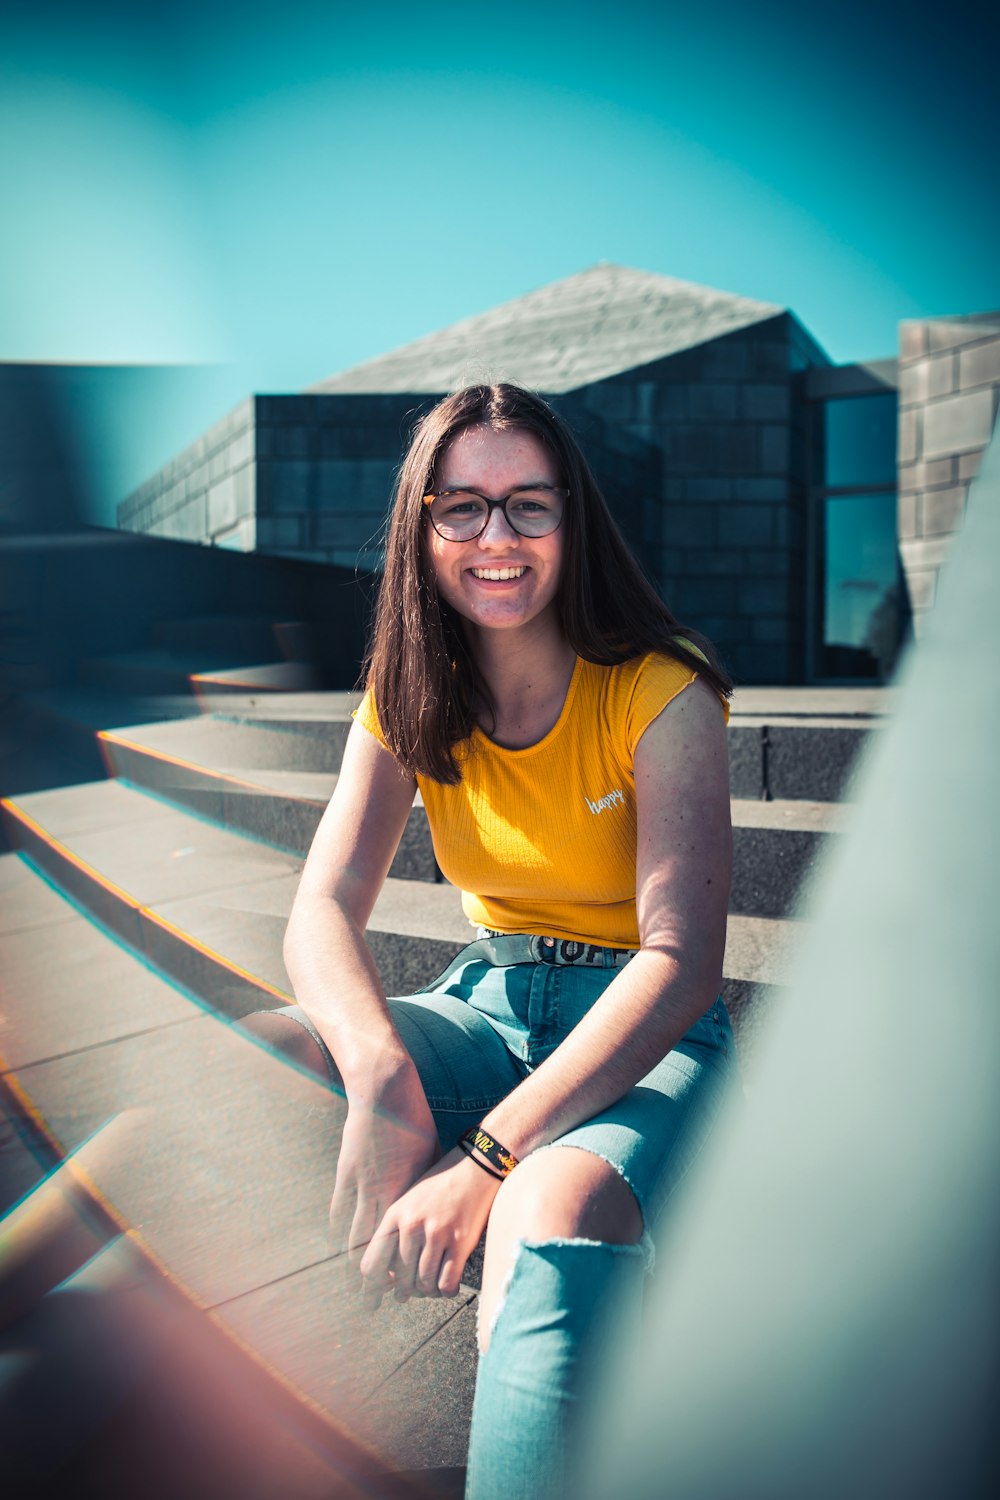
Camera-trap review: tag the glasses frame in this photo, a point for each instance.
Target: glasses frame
(492, 505)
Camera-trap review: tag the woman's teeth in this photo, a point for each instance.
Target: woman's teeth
(497, 575)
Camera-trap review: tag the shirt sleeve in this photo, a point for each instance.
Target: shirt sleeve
(657, 682)
(367, 716)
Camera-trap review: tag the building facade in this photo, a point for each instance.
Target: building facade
(793, 510)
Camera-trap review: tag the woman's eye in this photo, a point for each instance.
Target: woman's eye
(460, 505)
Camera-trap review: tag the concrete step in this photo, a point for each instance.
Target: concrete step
(241, 637)
(209, 675)
(248, 777)
(209, 908)
(187, 1128)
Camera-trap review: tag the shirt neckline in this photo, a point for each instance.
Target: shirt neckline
(518, 750)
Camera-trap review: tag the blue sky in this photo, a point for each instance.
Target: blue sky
(255, 199)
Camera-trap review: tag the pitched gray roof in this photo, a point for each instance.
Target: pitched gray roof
(575, 331)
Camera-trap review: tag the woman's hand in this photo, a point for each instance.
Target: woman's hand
(424, 1240)
(389, 1139)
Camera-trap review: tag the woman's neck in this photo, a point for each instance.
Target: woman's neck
(527, 674)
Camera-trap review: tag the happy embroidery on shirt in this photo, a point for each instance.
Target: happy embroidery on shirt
(611, 800)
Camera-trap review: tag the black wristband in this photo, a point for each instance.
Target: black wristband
(487, 1152)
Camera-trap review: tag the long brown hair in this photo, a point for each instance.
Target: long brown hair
(421, 672)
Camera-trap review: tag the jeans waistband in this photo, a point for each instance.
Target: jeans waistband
(503, 948)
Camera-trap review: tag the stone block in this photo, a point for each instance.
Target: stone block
(709, 489)
(240, 450)
(292, 485)
(764, 596)
(942, 376)
(925, 552)
(767, 562)
(771, 630)
(968, 465)
(721, 629)
(957, 424)
(774, 450)
(693, 598)
(812, 764)
(946, 333)
(768, 358)
(285, 532)
(691, 450)
(943, 510)
(908, 441)
(239, 538)
(980, 365)
(713, 560)
(295, 441)
(913, 383)
(746, 762)
(350, 530)
(907, 514)
(725, 358)
(922, 587)
(712, 402)
(193, 520)
(735, 449)
(746, 525)
(670, 403)
(355, 484)
(689, 526)
(760, 489)
(912, 339)
(788, 526)
(244, 484)
(222, 511)
(765, 403)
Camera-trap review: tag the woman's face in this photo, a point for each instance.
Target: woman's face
(494, 463)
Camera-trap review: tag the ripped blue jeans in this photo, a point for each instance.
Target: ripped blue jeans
(474, 1034)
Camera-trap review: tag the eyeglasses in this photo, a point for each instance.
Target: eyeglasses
(462, 515)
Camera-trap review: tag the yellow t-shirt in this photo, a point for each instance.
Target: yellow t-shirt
(543, 839)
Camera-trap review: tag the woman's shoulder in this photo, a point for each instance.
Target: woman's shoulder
(629, 695)
(653, 670)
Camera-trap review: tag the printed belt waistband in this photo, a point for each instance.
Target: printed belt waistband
(503, 948)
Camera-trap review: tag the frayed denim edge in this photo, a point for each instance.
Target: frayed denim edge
(645, 1243)
(644, 1248)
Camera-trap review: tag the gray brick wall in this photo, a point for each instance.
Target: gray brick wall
(949, 390)
(702, 457)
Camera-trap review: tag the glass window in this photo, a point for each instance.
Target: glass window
(859, 586)
(859, 440)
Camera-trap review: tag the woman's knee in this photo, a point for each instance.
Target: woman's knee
(287, 1039)
(567, 1193)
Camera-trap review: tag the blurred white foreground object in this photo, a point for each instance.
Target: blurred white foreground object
(825, 1322)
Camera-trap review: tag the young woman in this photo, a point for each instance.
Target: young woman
(569, 744)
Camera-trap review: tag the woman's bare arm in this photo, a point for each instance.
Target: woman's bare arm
(389, 1137)
(683, 869)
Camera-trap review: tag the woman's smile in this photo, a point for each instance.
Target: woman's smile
(499, 579)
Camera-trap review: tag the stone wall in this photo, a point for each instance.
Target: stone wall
(949, 389)
(703, 459)
(207, 493)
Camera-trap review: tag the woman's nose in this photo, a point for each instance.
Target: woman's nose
(498, 531)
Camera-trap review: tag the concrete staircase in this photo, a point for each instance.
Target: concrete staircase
(143, 911)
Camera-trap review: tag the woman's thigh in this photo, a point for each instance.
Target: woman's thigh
(463, 1064)
(652, 1135)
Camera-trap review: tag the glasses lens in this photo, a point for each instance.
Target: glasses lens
(535, 512)
(460, 515)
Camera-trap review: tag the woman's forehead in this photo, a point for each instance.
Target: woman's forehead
(491, 451)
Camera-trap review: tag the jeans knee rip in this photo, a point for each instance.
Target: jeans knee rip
(644, 1248)
(645, 1242)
